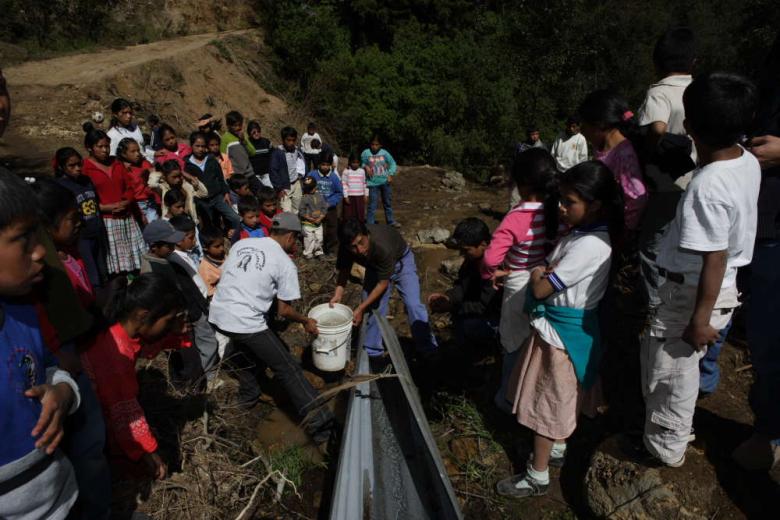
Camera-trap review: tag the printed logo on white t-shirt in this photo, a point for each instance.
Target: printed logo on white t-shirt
(251, 257)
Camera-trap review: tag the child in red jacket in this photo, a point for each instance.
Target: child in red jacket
(148, 317)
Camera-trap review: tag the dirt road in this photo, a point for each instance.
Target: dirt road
(78, 69)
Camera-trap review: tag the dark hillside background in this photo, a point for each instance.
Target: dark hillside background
(447, 82)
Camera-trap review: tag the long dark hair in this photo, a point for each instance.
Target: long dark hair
(606, 109)
(594, 181)
(151, 291)
(54, 201)
(116, 106)
(61, 157)
(92, 135)
(535, 169)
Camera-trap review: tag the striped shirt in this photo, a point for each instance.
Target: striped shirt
(354, 182)
(518, 243)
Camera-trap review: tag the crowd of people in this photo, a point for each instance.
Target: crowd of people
(150, 242)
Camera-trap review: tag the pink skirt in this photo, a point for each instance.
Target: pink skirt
(544, 389)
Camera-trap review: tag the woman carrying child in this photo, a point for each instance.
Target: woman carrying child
(146, 317)
(557, 371)
(125, 244)
(519, 244)
(92, 239)
(137, 170)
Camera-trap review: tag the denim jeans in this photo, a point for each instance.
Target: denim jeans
(266, 347)
(764, 337)
(374, 192)
(405, 279)
(709, 371)
(84, 443)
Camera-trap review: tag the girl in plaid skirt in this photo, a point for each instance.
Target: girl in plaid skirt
(125, 244)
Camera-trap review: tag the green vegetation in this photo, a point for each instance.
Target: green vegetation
(455, 82)
(293, 462)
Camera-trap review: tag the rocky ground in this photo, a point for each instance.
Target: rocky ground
(227, 461)
(226, 453)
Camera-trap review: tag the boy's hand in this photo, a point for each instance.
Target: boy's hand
(346, 201)
(310, 326)
(766, 148)
(700, 336)
(389, 179)
(189, 178)
(157, 468)
(56, 401)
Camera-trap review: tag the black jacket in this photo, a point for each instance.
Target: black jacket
(471, 296)
(211, 176)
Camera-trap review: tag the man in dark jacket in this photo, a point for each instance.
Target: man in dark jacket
(473, 303)
(205, 167)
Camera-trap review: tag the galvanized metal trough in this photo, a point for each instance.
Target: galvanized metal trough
(389, 466)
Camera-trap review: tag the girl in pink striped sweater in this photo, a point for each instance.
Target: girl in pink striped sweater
(353, 180)
(519, 244)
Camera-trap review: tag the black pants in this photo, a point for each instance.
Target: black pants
(330, 230)
(311, 161)
(266, 347)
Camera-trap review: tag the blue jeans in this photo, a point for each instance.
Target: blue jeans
(764, 337)
(374, 192)
(149, 209)
(84, 444)
(709, 371)
(475, 329)
(408, 283)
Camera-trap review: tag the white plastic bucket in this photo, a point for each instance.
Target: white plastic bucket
(330, 349)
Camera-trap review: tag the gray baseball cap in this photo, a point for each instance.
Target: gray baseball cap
(287, 222)
(162, 231)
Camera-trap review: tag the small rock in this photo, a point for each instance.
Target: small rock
(497, 180)
(451, 266)
(624, 490)
(315, 287)
(433, 236)
(485, 206)
(453, 180)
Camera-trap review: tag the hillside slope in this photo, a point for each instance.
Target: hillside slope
(178, 79)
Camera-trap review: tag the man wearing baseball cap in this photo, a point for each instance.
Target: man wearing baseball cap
(257, 272)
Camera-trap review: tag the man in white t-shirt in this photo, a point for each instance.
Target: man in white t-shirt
(571, 147)
(257, 272)
(711, 235)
